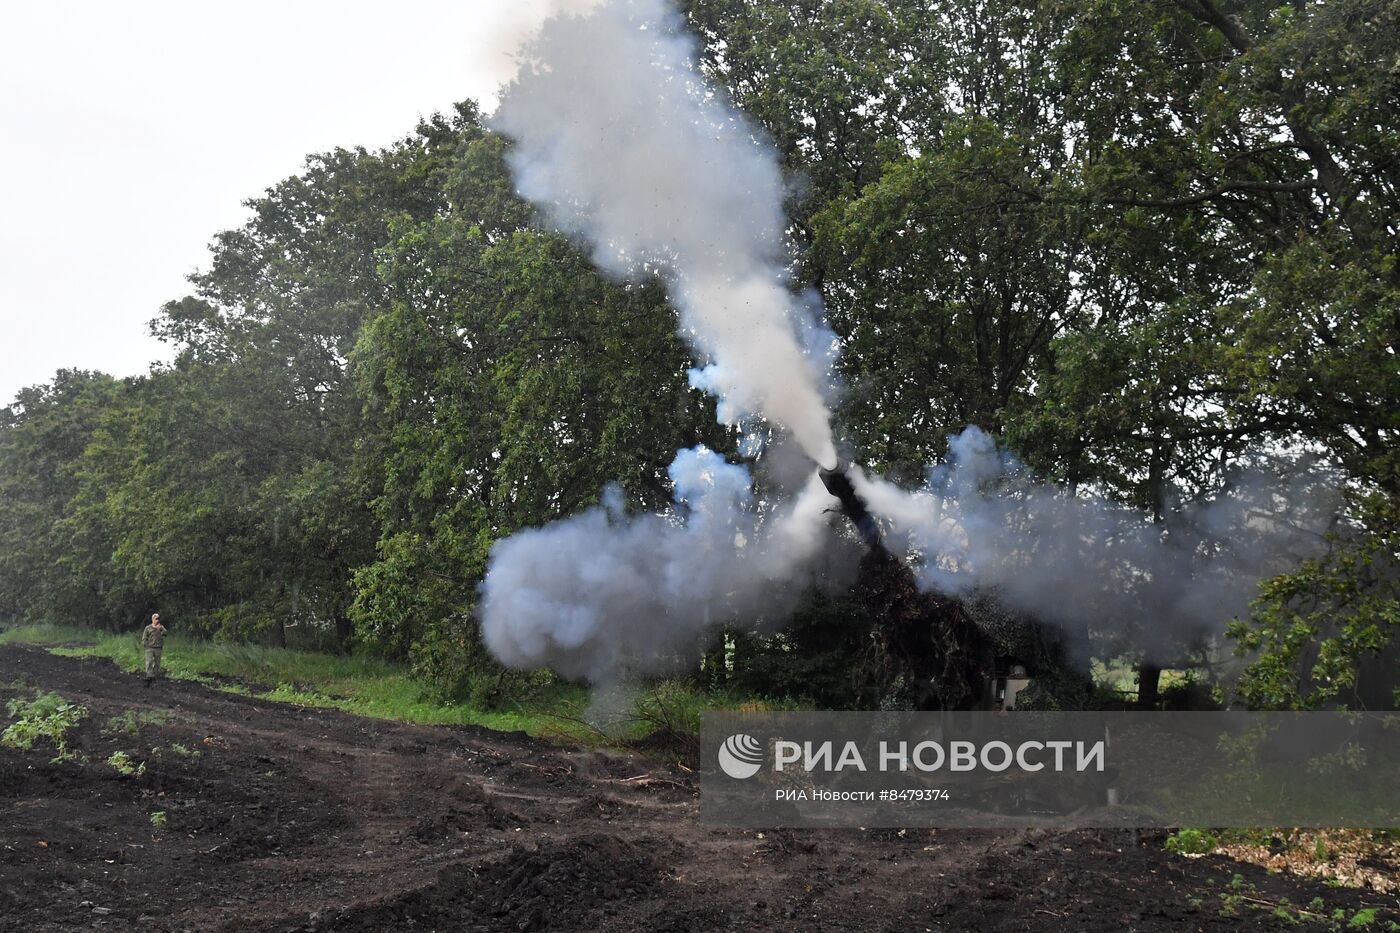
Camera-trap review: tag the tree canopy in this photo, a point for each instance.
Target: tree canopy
(1144, 244)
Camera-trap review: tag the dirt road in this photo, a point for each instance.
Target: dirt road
(279, 818)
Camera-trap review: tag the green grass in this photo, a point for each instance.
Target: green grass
(370, 687)
(364, 686)
(45, 635)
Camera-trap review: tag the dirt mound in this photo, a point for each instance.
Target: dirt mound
(574, 882)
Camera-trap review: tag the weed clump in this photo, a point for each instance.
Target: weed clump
(47, 716)
(1191, 842)
(121, 763)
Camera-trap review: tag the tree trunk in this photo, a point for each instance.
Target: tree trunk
(1149, 679)
(343, 632)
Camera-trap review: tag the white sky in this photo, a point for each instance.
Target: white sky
(130, 133)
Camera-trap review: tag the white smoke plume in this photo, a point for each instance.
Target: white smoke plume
(503, 28)
(602, 594)
(621, 140)
(981, 523)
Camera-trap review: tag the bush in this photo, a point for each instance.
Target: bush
(453, 661)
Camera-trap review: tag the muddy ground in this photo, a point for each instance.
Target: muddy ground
(292, 819)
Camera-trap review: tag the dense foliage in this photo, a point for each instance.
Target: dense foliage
(1141, 242)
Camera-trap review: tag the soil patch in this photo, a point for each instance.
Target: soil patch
(258, 816)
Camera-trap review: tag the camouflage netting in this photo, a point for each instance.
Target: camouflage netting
(925, 650)
(1057, 682)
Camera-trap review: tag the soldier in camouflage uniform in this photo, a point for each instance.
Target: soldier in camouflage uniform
(153, 640)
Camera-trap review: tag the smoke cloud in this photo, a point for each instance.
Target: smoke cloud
(503, 30)
(621, 141)
(602, 594)
(981, 523)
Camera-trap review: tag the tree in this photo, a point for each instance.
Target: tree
(1328, 633)
(47, 573)
(1145, 244)
(264, 347)
(514, 384)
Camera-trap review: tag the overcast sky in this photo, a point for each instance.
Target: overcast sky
(132, 133)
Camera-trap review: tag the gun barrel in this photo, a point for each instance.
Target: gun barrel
(838, 482)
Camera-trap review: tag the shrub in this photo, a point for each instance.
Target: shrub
(453, 661)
